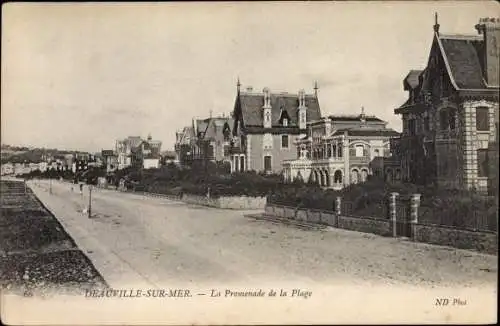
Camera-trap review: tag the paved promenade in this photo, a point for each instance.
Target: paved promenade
(137, 240)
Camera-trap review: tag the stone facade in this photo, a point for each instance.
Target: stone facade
(449, 130)
(340, 150)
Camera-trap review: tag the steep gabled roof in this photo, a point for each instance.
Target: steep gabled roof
(463, 59)
(251, 108)
(216, 125)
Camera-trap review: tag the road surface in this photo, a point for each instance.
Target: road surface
(147, 241)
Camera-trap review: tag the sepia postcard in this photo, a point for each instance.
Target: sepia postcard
(250, 163)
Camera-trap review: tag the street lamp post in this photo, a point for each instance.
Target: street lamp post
(50, 186)
(90, 201)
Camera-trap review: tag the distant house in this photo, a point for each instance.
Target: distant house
(7, 169)
(110, 160)
(124, 150)
(266, 127)
(134, 151)
(168, 157)
(185, 145)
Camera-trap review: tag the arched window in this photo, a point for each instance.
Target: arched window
(359, 150)
(337, 176)
(364, 175)
(377, 153)
(354, 176)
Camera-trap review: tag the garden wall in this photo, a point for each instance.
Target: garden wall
(463, 239)
(365, 224)
(232, 202)
(482, 241)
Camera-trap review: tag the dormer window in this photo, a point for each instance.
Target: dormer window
(284, 118)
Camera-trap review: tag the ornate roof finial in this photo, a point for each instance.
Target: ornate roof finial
(436, 24)
(238, 84)
(362, 110)
(316, 88)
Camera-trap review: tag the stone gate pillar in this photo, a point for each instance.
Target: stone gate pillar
(414, 205)
(338, 202)
(392, 211)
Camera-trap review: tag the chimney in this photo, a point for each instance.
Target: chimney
(249, 89)
(302, 98)
(267, 97)
(490, 29)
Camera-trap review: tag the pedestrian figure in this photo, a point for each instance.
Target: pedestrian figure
(81, 188)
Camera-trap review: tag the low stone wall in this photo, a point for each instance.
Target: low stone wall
(366, 224)
(242, 202)
(233, 202)
(199, 200)
(434, 234)
(448, 236)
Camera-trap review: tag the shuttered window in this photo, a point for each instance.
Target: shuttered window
(482, 119)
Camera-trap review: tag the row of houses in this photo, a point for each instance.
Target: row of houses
(449, 136)
(134, 151)
(65, 162)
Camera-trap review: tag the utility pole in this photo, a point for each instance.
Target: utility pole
(90, 201)
(50, 186)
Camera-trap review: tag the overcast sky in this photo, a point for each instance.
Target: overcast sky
(80, 76)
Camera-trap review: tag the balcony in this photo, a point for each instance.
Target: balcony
(359, 159)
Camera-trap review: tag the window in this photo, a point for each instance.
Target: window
(267, 163)
(426, 124)
(377, 153)
(443, 119)
(284, 141)
(482, 163)
(359, 150)
(226, 150)
(482, 119)
(242, 163)
(210, 151)
(285, 122)
(411, 127)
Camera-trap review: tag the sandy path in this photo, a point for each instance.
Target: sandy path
(159, 241)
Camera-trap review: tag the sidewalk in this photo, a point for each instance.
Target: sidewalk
(112, 267)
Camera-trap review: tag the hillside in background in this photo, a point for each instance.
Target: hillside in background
(21, 154)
